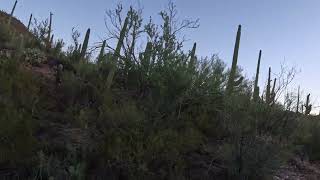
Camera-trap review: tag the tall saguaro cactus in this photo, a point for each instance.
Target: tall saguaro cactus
(192, 62)
(85, 44)
(230, 84)
(273, 92)
(117, 54)
(145, 61)
(12, 11)
(49, 32)
(29, 23)
(256, 81)
(101, 54)
(308, 106)
(298, 100)
(268, 90)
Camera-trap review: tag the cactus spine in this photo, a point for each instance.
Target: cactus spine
(101, 54)
(256, 81)
(29, 23)
(117, 53)
(12, 11)
(230, 84)
(85, 44)
(308, 106)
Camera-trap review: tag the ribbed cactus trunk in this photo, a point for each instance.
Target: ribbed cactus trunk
(29, 23)
(230, 84)
(12, 11)
(268, 91)
(101, 54)
(256, 81)
(85, 44)
(298, 100)
(116, 54)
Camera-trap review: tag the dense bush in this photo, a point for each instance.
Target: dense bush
(165, 115)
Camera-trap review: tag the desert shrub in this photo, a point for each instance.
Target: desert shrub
(252, 158)
(34, 56)
(4, 35)
(307, 138)
(18, 98)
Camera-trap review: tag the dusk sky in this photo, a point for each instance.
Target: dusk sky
(284, 29)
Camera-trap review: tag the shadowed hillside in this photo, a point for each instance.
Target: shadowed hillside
(157, 113)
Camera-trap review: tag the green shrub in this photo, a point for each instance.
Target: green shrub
(34, 56)
(18, 98)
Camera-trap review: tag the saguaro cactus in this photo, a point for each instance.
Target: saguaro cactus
(192, 62)
(85, 44)
(145, 61)
(268, 90)
(256, 81)
(12, 11)
(51, 40)
(230, 84)
(308, 106)
(29, 23)
(298, 100)
(193, 53)
(273, 92)
(49, 32)
(101, 54)
(117, 53)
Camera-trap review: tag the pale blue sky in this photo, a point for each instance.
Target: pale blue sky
(283, 29)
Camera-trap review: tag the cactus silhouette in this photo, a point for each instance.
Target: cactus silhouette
(273, 93)
(145, 61)
(51, 40)
(85, 44)
(12, 11)
(49, 32)
(298, 100)
(268, 90)
(101, 54)
(29, 23)
(308, 106)
(256, 81)
(230, 84)
(117, 53)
